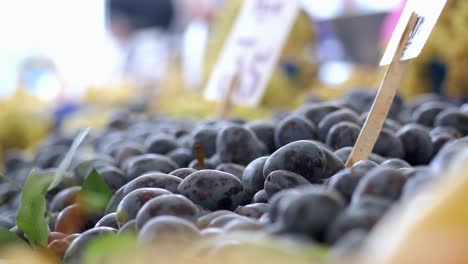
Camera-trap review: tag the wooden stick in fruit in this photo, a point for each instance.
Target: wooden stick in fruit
(383, 101)
(227, 104)
(200, 155)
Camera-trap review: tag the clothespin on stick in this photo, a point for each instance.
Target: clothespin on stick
(227, 104)
(383, 101)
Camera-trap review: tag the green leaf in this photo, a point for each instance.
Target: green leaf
(95, 194)
(65, 164)
(8, 238)
(31, 216)
(113, 249)
(10, 181)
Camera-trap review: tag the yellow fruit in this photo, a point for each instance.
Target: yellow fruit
(431, 228)
(24, 122)
(449, 44)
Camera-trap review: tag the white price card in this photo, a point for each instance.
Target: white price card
(429, 12)
(252, 50)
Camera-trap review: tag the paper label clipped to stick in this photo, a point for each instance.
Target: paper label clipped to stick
(252, 50)
(429, 12)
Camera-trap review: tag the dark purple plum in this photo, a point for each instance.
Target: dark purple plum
(223, 220)
(109, 220)
(346, 181)
(427, 112)
(333, 118)
(396, 163)
(183, 172)
(343, 134)
(316, 112)
(206, 165)
(127, 151)
(438, 141)
(311, 212)
(365, 165)
(260, 197)
(294, 128)
(131, 204)
(388, 145)
(280, 180)
(453, 118)
(343, 154)
(160, 144)
(443, 130)
(84, 168)
(206, 137)
(376, 204)
(252, 177)
(255, 210)
(417, 144)
(265, 132)
(170, 204)
(243, 225)
(181, 156)
(213, 189)
(205, 220)
(382, 182)
(302, 157)
(334, 164)
(113, 177)
(64, 198)
(140, 165)
(237, 144)
(234, 169)
(150, 180)
(351, 220)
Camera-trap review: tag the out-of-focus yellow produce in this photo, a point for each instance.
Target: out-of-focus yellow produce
(99, 102)
(23, 121)
(449, 45)
(175, 101)
(431, 228)
(92, 117)
(21, 255)
(113, 94)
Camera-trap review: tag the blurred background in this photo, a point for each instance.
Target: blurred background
(54, 48)
(66, 65)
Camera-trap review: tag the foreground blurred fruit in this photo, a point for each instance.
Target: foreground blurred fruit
(437, 233)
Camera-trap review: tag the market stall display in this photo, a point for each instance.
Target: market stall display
(132, 177)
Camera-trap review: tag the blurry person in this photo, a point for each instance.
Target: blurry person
(142, 30)
(150, 33)
(129, 16)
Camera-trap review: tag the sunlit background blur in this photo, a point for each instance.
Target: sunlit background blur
(42, 38)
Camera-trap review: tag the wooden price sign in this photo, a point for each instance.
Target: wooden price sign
(411, 34)
(252, 49)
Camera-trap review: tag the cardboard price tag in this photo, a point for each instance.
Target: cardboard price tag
(414, 28)
(428, 13)
(252, 50)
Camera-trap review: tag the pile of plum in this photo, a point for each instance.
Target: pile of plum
(181, 180)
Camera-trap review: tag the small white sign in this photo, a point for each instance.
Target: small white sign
(252, 50)
(429, 12)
